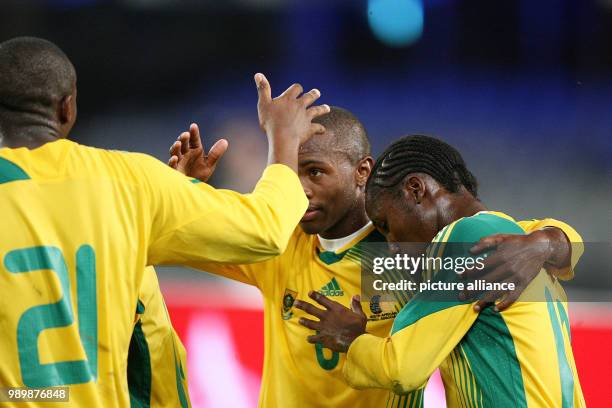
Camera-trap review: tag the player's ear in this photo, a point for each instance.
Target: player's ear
(67, 110)
(414, 189)
(364, 168)
(67, 113)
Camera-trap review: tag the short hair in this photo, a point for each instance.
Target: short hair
(351, 136)
(35, 76)
(421, 154)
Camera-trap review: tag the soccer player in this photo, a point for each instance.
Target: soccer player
(324, 255)
(80, 224)
(421, 191)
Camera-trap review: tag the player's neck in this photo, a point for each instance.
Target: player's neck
(352, 222)
(28, 136)
(460, 206)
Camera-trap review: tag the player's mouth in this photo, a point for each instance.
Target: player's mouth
(311, 213)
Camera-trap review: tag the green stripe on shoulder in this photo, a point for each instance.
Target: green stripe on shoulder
(455, 240)
(472, 229)
(9, 171)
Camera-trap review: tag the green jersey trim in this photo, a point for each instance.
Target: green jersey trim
(139, 369)
(9, 171)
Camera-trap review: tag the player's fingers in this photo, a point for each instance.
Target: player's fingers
(315, 339)
(309, 97)
(309, 308)
(507, 301)
(264, 91)
(493, 267)
(173, 161)
(195, 141)
(184, 139)
(293, 91)
(175, 149)
(322, 300)
(488, 299)
(316, 111)
(316, 129)
(356, 305)
(216, 151)
(311, 324)
(487, 243)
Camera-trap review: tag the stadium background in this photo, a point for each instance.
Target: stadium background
(522, 88)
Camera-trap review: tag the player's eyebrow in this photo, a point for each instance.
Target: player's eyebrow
(310, 161)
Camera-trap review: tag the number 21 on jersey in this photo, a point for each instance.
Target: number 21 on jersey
(59, 314)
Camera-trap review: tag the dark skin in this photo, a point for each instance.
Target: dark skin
(30, 130)
(421, 209)
(287, 121)
(333, 183)
(335, 187)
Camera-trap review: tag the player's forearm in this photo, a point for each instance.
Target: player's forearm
(365, 365)
(565, 246)
(559, 248)
(283, 150)
(282, 197)
(228, 227)
(375, 362)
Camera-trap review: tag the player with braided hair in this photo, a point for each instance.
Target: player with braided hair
(422, 154)
(421, 191)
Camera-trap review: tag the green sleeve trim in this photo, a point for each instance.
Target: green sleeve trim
(9, 171)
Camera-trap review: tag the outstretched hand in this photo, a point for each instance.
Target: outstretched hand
(187, 154)
(338, 326)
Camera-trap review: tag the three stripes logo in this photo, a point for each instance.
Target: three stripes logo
(331, 289)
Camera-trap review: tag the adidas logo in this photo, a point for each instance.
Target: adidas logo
(331, 289)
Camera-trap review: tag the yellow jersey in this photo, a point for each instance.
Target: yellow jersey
(157, 370)
(299, 374)
(79, 226)
(521, 357)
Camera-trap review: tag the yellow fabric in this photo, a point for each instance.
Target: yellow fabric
(166, 350)
(292, 376)
(575, 240)
(133, 211)
(451, 336)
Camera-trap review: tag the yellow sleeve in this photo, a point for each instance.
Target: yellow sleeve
(191, 224)
(575, 240)
(403, 362)
(251, 274)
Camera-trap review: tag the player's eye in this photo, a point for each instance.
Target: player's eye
(315, 172)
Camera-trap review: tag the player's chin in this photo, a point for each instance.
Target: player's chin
(312, 226)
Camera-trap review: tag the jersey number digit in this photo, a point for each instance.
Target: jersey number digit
(38, 318)
(326, 363)
(565, 371)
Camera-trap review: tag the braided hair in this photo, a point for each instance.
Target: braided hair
(421, 154)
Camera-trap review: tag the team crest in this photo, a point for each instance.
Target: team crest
(375, 305)
(288, 299)
(382, 308)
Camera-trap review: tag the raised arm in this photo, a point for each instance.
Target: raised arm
(190, 224)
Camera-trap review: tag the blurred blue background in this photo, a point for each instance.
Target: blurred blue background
(522, 88)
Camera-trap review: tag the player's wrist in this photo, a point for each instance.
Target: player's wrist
(284, 152)
(556, 245)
